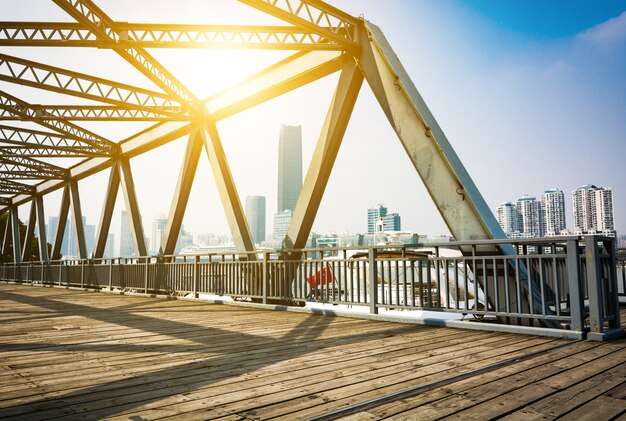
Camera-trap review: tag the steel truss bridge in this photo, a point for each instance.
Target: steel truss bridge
(324, 40)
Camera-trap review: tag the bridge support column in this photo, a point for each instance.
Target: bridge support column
(60, 231)
(228, 191)
(107, 212)
(41, 228)
(132, 207)
(181, 194)
(30, 231)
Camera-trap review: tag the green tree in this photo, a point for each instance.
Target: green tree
(7, 256)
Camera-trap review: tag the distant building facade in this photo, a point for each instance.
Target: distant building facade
(289, 167)
(281, 225)
(553, 207)
(392, 222)
(255, 214)
(374, 215)
(529, 217)
(506, 214)
(127, 247)
(593, 210)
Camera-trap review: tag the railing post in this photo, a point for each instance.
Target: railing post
(576, 301)
(145, 277)
(110, 274)
(82, 273)
(266, 257)
(196, 275)
(373, 281)
(60, 272)
(596, 305)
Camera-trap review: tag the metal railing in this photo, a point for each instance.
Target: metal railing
(564, 282)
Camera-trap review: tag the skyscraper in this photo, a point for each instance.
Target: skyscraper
(375, 213)
(255, 213)
(109, 250)
(593, 209)
(127, 248)
(529, 217)
(158, 231)
(507, 217)
(289, 167)
(553, 205)
(281, 224)
(53, 223)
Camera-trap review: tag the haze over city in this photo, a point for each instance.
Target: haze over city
(527, 106)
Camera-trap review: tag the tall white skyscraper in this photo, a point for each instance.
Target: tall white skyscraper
(158, 232)
(529, 217)
(255, 213)
(593, 209)
(289, 167)
(507, 218)
(289, 178)
(553, 205)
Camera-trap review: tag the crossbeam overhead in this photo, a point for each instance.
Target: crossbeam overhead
(150, 35)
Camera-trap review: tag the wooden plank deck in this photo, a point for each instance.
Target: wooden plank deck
(85, 355)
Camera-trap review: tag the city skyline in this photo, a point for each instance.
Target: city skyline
(548, 75)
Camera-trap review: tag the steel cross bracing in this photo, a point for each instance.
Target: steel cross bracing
(326, 40)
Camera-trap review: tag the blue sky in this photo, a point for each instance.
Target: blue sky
(546, 19)
(531, 94)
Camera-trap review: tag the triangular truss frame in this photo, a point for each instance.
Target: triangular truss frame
(325, 40)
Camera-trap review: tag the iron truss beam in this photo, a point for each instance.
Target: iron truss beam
(27, 111)
(43, 152)
(55, 79)
(145, 35)
(98, 113)
(13, 187)
(44, 141)
(103, 27)
(315, 16)
(19, 167)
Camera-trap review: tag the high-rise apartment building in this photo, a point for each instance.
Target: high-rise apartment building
(289, 167)
(255, 213)
(529, 217)
(506, 214)
(374, 214)
(553, 206)
(593, 209)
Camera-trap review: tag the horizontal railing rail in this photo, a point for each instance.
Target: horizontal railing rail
(575, 280)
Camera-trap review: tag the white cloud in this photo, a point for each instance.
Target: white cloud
(608, 33)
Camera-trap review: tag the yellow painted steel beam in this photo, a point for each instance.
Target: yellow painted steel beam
(151, 35)
(181, 193)
(60, 231)
(314, 16)
(110, 197)
(41, 229)
(132, 207)
(30, 231)
(235, 216)
(55, 79)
